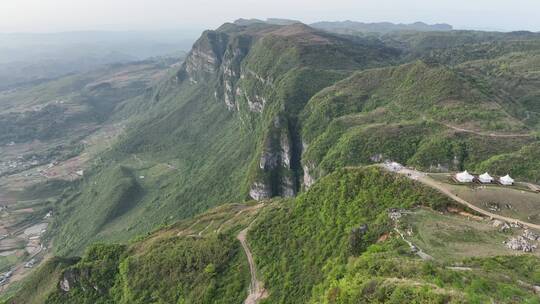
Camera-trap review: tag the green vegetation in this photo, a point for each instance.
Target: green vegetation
(332, 244)
(252, 109)
(412, 114)
(211, 155)
(172, 270)
(165, 267)
(306, 80)
(42, 282)
(384, 274)
(514, 202)
(304, 254)
(452, 237)
(297, 244)
(523, 163)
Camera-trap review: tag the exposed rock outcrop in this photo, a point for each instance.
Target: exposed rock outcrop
(260, 191)
(520, 244)
(288, 187)
(269, 160)
(204, 60)
(275, 163)
(308, 179)
(230, 70)
(64, 285)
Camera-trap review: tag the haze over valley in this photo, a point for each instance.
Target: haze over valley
(269, 160)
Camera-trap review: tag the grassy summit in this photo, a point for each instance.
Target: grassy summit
(258, 111)
(307, 250)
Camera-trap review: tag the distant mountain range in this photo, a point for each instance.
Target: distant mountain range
(380, 27)
(30, 57)
(27, 58)
(355, 26)
(254, 170)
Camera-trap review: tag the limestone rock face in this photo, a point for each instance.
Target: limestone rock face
(285, 153)
(217, 58)
(69, 279)
(255, 104)
(260, 191)
(308, 179)
(205, 58)
(288, 187)
(275, 163)
(64, 285)
(230, 70)
(269, 160)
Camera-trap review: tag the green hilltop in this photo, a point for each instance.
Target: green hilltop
(322, 247)
(295, 118)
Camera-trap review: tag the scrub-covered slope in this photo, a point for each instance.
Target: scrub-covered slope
(336, 244)
(260, 110)
(333, 244)
(223, 128)
(428, 116)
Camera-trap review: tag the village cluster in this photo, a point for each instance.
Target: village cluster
(466, 177)
(20, 164)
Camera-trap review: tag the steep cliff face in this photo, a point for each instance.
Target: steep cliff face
(264, 74)
(230, 70)
(204, 60)
(275, 175)
(217, 58)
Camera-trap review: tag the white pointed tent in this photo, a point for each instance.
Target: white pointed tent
(506, 180)
(485, 178)
(464, 177)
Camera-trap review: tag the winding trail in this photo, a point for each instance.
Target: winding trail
(206, 228)
(229, 220)
(423, 178)
(418, 251)
(487, 134)
(256, 289)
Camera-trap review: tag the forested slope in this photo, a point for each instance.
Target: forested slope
(293, 117)
(333, 244)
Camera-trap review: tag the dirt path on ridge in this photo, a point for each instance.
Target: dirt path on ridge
(423, 178)
(487, 134)
(256, 289)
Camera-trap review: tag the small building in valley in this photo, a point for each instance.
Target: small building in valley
(464, 177)
(506, 180)
(485, 178)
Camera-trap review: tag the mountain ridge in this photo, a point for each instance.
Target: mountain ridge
(296, 118)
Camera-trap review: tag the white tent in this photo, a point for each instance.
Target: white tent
(464, 177)
(486, 178)
(506, 180)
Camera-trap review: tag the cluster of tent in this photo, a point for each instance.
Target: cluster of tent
(466, 177)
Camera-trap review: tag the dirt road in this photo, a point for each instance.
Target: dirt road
(488, 134)
(423, 178)
(256, 289)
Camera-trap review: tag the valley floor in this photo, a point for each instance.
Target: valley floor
(27, 195)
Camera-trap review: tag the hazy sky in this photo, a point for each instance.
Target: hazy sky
(69, 15)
